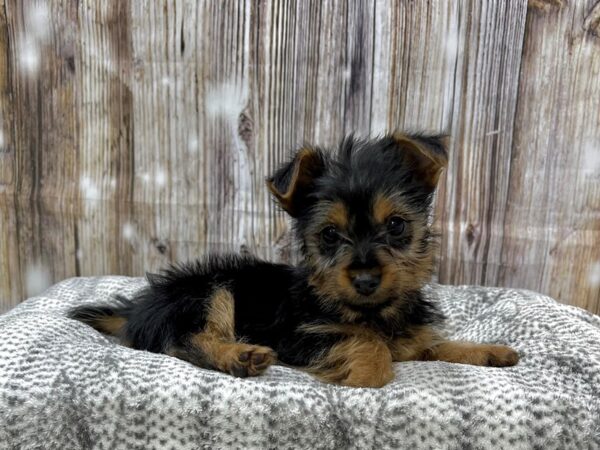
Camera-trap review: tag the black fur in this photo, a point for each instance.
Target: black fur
(273, 300)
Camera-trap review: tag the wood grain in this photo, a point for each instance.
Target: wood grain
(551, 233)
(135, 133)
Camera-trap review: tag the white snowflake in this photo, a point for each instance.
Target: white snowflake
(451, 43)
(594, 275)
(37, 279)
(30, 56)
(493, 132)
(591, 158)
(129, 231)
(160, 177)
(193, 145)
(88, 188)
(145, 177)
(226, 100)
(1, 138)
(79, 254)
(166, 81)
(347, 74)
(38, 20)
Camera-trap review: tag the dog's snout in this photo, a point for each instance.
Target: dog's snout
(366, 283)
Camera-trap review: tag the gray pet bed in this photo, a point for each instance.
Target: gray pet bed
(65, 386)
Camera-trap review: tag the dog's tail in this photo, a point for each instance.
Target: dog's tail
(108, 319)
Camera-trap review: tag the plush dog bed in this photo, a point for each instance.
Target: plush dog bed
(64, 385)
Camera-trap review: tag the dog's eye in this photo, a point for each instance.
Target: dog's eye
(396, 225)
(330, 235)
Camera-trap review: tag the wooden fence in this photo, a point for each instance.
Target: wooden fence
(133, 133)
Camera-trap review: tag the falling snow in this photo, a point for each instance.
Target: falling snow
(594, 275)
(451, 43)
(38, 21)
(79, 254)
(1, 138)
(88, 188)
(347, 74)
(30, 56)
(129, 231)
(226, 100)
(591, 158)
(37, 279)
(193, 145)
(160, 177)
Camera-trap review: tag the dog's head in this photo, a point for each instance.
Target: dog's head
(362, 214)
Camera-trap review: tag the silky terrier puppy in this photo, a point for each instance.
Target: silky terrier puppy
(348, 310)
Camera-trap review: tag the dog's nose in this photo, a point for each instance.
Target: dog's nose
(366, 283)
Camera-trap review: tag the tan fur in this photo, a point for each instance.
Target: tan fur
(112, 325)
(413, 347)
(383, 208)
(305, 162)
(220, 315)
(235, 358)
(427, 163)
(338, 328)
(401, 271)
(360, 359)
(406, 272)
(338, 215)
(474, 354)
(425, 344)
(217, 346)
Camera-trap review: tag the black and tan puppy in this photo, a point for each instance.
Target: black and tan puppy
(352, 307)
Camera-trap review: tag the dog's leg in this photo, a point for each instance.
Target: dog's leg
(216, 347)
(358, 360)
(426, 345)
(470, 353)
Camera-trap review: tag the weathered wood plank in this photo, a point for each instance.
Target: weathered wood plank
(134, 133)
(473, 201)
(551, 233)
(417, 48)
(42, 89)
(11, 286)
(105, 137)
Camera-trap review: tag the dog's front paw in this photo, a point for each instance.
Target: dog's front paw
(500, 356)
(474, 354)
(368, 379)
(250, 360)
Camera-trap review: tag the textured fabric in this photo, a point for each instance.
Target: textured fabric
(64, 385)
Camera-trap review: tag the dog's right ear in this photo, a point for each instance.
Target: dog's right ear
(426, 154)
(293, 182)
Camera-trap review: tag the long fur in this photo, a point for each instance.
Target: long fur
(354, 189)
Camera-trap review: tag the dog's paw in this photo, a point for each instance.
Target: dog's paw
(500, 356)
(474, 354)
(250, 360)
(368, 379)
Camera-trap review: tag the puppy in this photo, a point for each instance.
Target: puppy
(352, 306)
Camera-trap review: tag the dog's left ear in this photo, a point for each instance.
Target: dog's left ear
(293, 182)
(427, 155)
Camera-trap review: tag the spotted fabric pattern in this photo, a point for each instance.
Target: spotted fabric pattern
(63, 385)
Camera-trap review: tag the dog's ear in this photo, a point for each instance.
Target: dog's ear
(292, 183)
(426, 154)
